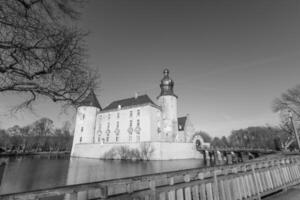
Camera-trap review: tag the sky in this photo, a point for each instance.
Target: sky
(229, 59)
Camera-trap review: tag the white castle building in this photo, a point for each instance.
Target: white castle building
(134, 128)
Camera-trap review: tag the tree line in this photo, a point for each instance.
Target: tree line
(36, 137)
(252, 137)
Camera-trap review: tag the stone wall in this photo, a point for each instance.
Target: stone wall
(144, 150)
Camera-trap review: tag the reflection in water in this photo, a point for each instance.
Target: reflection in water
(2, 168)
(31, 173)
(83, 170)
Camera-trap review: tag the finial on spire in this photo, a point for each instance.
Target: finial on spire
(166, 72)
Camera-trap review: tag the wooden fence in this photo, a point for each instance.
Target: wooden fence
(252, 180)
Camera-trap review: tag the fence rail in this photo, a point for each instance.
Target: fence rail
(236, 149)
(251, 180)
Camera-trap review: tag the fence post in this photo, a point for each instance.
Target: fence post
(153, 189)
(256, 182)
(216, 188)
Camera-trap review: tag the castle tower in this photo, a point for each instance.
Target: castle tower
(168, 102)
(85, 123)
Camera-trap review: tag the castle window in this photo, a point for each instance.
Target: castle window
(138, 112)
(117, 124)
(81, 129)
(107, 136)
(130, 123)
(118, 115)
(98, 138)
(80, 139)
(83, 116)
(108, 125)
(130, 113)
(158, 131)
(138, 122)
(117, 138)
(108, 116)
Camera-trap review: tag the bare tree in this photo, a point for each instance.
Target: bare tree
(41, 54)
(288, 102)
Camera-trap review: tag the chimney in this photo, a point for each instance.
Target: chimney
(136, 94)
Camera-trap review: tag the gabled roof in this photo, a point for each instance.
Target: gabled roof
(91, 100)
(129, 102)
(181, 123)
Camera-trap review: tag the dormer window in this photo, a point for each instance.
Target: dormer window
(83, 116)
(138, 112)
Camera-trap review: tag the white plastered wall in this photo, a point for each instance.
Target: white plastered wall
(85, 125)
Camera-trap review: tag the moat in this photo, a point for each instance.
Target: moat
(38, 172)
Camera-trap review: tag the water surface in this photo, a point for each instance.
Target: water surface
(36, 172)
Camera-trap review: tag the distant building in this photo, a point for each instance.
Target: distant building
(131, 121)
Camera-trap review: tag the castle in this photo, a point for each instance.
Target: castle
(135, 126)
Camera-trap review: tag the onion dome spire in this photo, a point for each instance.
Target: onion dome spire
(91, 100)
(167, 85)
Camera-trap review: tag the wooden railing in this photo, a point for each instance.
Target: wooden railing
(236, 149)
(251, 180)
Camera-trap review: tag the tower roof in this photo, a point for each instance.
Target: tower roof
(166, 85)
(91, 100)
